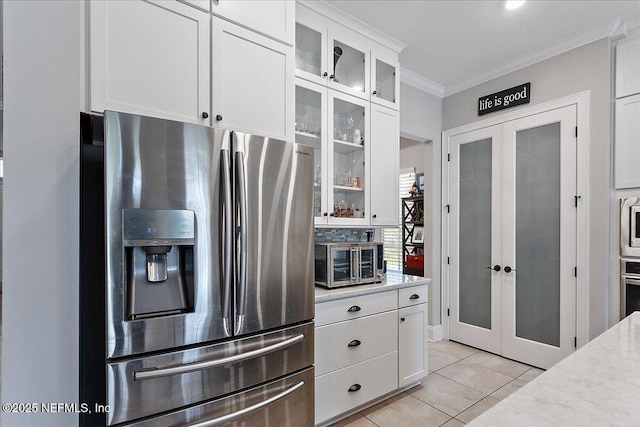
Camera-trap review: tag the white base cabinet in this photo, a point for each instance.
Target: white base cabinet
(368, 346)
(412, 344)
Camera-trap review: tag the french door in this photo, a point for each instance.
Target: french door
(512, 237)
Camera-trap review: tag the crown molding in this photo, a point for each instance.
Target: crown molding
(336, 15)
(533, 58)
(421, 83)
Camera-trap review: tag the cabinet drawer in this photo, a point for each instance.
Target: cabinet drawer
(368, 380)
(343, 344)
(413, 296)
(352, 308)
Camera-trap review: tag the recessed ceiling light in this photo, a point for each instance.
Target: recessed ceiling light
(513, 4)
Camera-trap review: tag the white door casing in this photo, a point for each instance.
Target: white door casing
(498, 334)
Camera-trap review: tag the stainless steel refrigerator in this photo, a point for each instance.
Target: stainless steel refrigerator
(201, 312)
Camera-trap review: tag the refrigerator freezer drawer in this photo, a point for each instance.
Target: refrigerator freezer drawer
(148, 385)
(287, 402)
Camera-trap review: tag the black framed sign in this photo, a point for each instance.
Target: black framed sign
(507, 98)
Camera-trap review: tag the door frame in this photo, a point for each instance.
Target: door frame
(582, 102)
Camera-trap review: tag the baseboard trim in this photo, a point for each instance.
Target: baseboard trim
(435, 333)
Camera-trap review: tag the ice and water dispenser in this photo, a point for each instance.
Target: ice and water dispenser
(158, 248)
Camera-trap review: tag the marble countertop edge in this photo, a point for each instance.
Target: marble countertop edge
(394, 280)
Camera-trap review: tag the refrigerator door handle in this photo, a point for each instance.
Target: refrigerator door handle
(229, 417)
(227, 241)
(207, 364)
(241, 197)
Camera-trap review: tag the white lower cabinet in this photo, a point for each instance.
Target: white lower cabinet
(347, 388)
(367, 346)
(412, 344)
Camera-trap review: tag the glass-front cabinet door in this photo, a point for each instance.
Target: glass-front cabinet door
(385, 78)
(311, 47)
(348, 170)
(311, 126)
(348, 60)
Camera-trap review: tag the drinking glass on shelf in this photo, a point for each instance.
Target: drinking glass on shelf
(304, 124)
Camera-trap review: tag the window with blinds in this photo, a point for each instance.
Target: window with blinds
(392, 237)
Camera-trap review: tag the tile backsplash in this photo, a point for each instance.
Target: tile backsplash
(323, 235)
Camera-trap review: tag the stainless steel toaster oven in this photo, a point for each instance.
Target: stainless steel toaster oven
(347, 264)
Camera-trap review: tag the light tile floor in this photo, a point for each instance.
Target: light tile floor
(463, 382)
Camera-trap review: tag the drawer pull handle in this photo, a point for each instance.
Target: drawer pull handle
(355, 387)
(354, 343)
(354, 308)
(402, 319)
(414, 296)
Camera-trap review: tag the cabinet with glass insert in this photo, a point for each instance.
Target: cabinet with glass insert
(336, 126)
(348, 169)
(332, 55)
(310, 129)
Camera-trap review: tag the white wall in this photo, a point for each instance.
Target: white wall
(581, 69)
(421, 121)
(41, 133)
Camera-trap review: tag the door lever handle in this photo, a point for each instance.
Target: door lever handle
(508, 269)
(497, 268)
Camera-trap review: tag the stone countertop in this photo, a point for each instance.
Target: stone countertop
(394, 280)
(598, 385)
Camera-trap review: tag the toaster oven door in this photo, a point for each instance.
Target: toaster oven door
(368, 264)
(341, 267)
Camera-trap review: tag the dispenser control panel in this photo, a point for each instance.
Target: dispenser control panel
(158, 227)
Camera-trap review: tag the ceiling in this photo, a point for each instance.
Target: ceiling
(459, 44)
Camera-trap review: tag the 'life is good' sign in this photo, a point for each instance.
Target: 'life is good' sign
(508, 98)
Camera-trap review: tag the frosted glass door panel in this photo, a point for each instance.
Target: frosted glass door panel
(475, 233)
(308, 50)
(538, 234)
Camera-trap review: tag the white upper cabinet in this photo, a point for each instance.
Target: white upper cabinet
(385, 78)
(312, 129)
(627, 146)
(310, 48)
(628, 67)
(329, 54)
(150, 58)
(204, 5)
(273, 18)
(385, 163)
(253, 82)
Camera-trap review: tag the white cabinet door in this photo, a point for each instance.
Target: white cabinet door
(253, 82)
(150, 58)
(311, 129)
(274, 18)
(385, 166)
(628, 67)
(627, 145)
(348, 60)
(311, 45)
(385, 78)
(200, 4)
(348, 171)
(412, 344)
